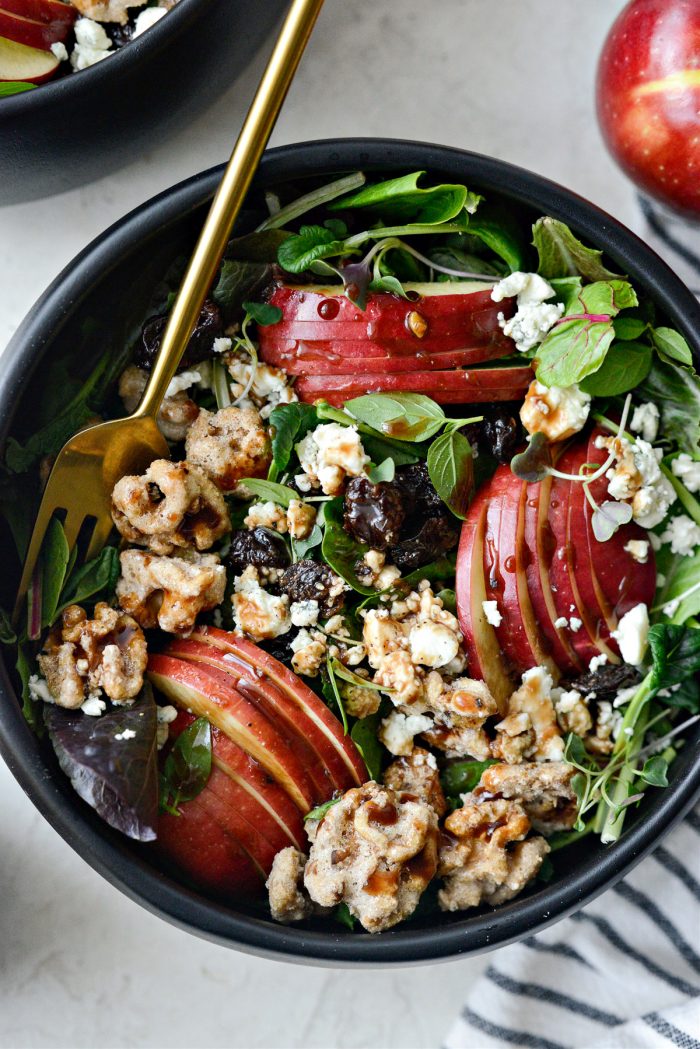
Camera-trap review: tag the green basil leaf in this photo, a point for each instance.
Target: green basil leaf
(364, 736)
(676, 392)
(95, 577)
(340, 550)
(384, 472)
(628, 329)
(289, 424)
(671, 346)
(626, 365)
(188, 765)
(310, 243)
(320, 811)
(54, 557)
(451, 469)
(561, 253)
(401, 416)
(461, 777)
(270, 491)
(402, 200)
(263, 313)
(402, 453)
(654, 771)
(675, 652)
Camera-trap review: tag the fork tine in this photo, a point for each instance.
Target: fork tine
(71, 526)
(101, 534)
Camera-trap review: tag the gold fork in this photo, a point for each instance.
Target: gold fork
(90, 463)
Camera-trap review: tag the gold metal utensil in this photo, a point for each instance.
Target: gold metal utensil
(90, 464)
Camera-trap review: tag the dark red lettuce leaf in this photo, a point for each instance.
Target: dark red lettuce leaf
(117, 777)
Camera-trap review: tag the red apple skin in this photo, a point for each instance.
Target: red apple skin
(40, 35)
(208, 692)
(42, 10)
(31, 64)
(445, 387)
(296, 690)
(648, 99)
(321, 359)
(486, 660)
(478, 327)
(320, 758)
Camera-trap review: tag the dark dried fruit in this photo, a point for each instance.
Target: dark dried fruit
(279, 648)
(374, 513)
(500, 434)
(435, 537)
(418, 491)
(257, 546)
(209, 327)
(607, 681)
(311, 581)
(119, 34)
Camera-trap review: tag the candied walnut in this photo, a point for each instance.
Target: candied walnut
(417, 773)
(106, 10)
(199, 345)
(172, 505)
(260, 547)
(82, 656)
(461, 712)
(401, 678)
(228, 445)
(170, 592)
(479, 862)
(175, 415)
(542, 788)
(374, 513)
(311, 581)
(376, 853)
(530, 729)
(285, 885)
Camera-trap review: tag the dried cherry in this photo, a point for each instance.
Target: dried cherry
(607, 681)
(374, 513)
(435, 537)
(209, 327)
(311, 581)
(261, 547)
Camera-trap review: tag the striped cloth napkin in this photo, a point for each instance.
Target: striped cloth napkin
(624, 971)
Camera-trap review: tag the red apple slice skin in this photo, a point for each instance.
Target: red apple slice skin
(209, 693)
(475, 327)
(206, 854)
(445, 387)
(319, 757)
(30, 64)
(296, 691)
(620, 581)
(31, 33)
(484, 654)
(42, 10)
(320, 359)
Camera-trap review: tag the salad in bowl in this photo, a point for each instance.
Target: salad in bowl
(411, 609)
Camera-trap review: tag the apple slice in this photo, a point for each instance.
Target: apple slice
(318, 756)
(445, 387)
(312, 712)
(43, 10)
(412, 330)
(326, 362)
(32, 33)
(19, 62)
(486, 660)
(208, 692)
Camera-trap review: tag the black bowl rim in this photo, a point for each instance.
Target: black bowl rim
(122, 60)
(136, 878)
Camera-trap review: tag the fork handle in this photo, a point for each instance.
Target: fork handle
(229, 198)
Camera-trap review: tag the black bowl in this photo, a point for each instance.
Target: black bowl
(92, 307)
(88, 124)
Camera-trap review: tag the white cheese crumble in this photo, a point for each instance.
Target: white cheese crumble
(182, 381)
(397, 731)
(688, 470)
(222, 344)
(632, 633)
(575, 624)
(638, 549)
(432, 644)
(94, 706)
(91, 44)
(329, 454)
(128, 733)
(256, 612)
(555, 411)
(534, 317)
(645, 421)
(39, 689)
(147, 18)
(165, 715)
(598, 661)
(561, 623)
(59, 51)
(493, 616)
(637, 476)
(683, 535)
(304, 613)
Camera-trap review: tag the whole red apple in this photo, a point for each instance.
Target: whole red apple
(648, 97)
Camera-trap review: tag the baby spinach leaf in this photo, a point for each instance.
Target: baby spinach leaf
(654, 771)
(320, 811)
(314, 199)
(676, 392)
(187, 768)
(454, 258)
(675, 652)
(270, 491)
(561, 253)
(449, 600)
(451, 469)
(117, 778)
(309, 244)
(340, 550)
(364, 736)
(402, 454)
(402, 200)
(15, 87)
(289, 423)
(626, 365)
(499, 231)
(98, 576)
(402, 416)
(461, 777)
(671, 346)
(301, 547)
(54, 558)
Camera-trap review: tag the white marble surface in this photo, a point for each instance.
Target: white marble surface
(79, 964)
